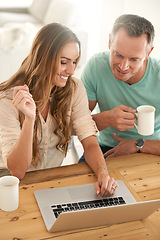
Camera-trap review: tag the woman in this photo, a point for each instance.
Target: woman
(42, 103)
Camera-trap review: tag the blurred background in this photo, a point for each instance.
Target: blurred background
(96, 17)
(91, 20)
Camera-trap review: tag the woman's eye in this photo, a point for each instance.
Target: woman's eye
(63, 62)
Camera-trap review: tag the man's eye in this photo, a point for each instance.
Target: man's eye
(118, 55)
(134, 60)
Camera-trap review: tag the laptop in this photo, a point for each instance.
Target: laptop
(77, 207)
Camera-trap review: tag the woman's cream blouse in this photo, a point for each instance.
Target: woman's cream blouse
(80, 121)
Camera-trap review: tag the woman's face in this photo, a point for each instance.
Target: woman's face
(68, 59)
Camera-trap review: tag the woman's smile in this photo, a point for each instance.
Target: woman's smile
(63, 77)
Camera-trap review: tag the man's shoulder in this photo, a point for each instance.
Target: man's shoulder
(100, 56)
(98, 62)
(155, 62)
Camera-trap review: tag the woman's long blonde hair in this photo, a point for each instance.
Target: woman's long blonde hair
(37, 72)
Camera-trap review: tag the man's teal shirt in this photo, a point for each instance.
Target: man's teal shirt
(103, 87)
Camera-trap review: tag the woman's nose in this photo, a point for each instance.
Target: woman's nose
(70, 69)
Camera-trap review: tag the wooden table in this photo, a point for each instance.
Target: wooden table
(140, 172)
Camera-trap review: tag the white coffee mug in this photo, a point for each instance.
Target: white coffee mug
(9, 193)
(145, 117)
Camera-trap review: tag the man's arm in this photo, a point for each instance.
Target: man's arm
(126, 147)
(121, 117)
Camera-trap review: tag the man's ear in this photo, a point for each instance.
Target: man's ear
(109, 43)
(149, 52)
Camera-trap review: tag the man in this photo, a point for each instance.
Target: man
(121, 80)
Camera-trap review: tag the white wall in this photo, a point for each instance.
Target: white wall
(110, 10)
(149, 9)
(89, 19)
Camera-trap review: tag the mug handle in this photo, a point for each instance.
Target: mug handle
(135, 123)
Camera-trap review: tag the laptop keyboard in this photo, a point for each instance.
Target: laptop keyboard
(58, 209)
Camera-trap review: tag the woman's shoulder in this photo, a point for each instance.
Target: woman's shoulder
(6, 98)
(77, 81)
(79, 86)
(7, 94)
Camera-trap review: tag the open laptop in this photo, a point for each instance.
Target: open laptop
(76, 207)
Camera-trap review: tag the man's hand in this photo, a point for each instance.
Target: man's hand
(122, 118)
(124, 147)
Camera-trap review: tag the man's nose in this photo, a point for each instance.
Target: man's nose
(124, 65)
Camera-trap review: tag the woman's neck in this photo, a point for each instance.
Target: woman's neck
(44, 113)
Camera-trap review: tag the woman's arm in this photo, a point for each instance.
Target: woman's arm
(86, 131)
(20, 157)
(94, 157)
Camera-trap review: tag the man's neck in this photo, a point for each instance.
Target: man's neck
(139, 75)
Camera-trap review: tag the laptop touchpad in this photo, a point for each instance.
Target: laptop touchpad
(82, 192)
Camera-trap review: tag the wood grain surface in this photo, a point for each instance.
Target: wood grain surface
(141, 174)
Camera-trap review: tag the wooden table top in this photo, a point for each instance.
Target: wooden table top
(141, 174)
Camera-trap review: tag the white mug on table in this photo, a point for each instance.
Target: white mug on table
(145, 117)
(9, 193)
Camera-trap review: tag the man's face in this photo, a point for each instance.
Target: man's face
(127, 56)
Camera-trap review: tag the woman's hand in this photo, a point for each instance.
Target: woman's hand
(94, 158)
(23, 100)
(105, 185)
